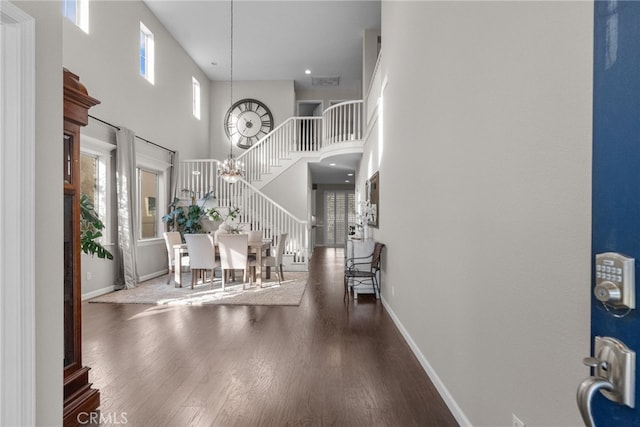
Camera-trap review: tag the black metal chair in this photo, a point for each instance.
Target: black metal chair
(363, 269)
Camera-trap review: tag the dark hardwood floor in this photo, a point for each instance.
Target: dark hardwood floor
(321, 363)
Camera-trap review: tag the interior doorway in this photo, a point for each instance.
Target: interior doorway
(339, 213)
(310, 108)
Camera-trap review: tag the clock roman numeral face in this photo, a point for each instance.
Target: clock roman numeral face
(247, 122)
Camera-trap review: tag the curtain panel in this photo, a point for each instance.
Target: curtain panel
(126, 188)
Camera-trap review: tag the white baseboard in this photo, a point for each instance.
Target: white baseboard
(431, 373)
(108, 289)
(153, 275)
(98, 292)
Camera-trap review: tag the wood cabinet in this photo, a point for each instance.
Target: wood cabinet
(79, 397)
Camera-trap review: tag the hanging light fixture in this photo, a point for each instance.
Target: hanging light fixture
(231, 169)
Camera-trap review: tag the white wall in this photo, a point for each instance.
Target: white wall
(107, 61)
(278, 96)
(370, 52)
(49, 211)
(486, 146)
(290, 189)
(327, 94)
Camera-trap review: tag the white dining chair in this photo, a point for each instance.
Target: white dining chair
(172, 238)
(275, 260)
(202, 256)
(234, 255)
(255, 236)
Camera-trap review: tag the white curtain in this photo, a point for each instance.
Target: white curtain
(175, 162)
(126, 183)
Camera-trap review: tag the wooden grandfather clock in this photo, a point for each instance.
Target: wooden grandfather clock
(79, 398)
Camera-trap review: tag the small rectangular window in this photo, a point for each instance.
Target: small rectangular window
(146, 54)
(89, 177)
(148, 182)
(195, 85)
(77, 11)
(94, 184)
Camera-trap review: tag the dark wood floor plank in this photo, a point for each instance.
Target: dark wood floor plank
(321, 363)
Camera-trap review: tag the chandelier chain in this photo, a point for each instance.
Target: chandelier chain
(231, 170)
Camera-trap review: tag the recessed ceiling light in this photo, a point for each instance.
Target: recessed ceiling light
(346, 180)
(332, 164)
(307, 71)
(349, 174)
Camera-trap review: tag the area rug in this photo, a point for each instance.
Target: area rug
(158, 292)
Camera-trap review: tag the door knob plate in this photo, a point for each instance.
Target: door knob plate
(619, 369)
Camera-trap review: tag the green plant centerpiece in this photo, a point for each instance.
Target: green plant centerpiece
(91, 230)
(187, 219)
(228, 217)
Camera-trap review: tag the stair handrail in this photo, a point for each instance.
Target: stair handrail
(245, 182)
(270, 200)
(296, 134)
(260, 210)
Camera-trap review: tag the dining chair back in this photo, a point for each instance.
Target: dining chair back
(255, 236)
(202, 255)
(234, 254)
(172, 238)
(275, 260)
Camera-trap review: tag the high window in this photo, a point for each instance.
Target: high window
(195, 85)
(146, 54)
(77, 11)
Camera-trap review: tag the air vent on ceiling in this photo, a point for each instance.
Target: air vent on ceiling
(325, 81)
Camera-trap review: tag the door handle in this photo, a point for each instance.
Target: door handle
(614, 368)
(586, 390)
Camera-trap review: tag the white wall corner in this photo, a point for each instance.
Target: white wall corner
(17, 220)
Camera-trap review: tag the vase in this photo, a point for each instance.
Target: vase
(365, 232)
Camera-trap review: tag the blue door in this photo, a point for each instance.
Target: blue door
(616, 175)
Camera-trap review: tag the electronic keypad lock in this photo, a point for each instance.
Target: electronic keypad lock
(615, 280)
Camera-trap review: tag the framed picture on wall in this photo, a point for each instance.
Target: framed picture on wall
(373, 196)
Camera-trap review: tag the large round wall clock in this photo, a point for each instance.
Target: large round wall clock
(247, 121)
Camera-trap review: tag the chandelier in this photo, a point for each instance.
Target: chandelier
(231, 170)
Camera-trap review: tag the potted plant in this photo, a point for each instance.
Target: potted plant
(91, 230)
(187, 219)
(229, 223)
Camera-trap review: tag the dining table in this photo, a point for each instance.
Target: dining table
(257, 248)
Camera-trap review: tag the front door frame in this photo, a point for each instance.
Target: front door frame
(17, 217)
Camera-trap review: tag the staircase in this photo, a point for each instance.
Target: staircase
(312, 138)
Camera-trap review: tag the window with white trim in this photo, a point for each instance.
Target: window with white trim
(195, 88)
(148, 189)
(77, 11)
(147, 54)
(95, 164)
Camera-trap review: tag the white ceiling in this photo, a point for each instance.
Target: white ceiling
(276, 40)
(273, 40)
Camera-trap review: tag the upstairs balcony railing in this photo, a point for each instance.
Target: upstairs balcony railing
(342, 122)
(297, 134)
